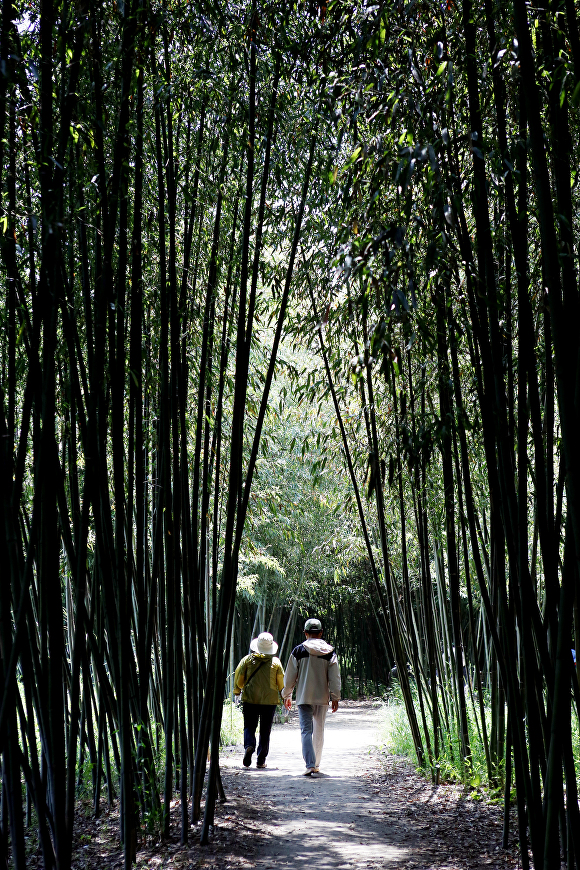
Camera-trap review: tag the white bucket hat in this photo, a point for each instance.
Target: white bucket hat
(264, 644)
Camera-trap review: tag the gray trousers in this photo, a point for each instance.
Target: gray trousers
(312, 719)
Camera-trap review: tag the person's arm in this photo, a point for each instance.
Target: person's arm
(290, 678)
(280, 677)
(334, 683)
(240, 676)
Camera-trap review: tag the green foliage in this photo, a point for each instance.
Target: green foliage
(153, 819)
(353, 688)
(395, 735)
(576, 740)
(85, 779)
(413, 251)
(232, 730)
(299, 535)
(397, 739)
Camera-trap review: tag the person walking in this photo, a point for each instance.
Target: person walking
(313, 669)
(259, 678)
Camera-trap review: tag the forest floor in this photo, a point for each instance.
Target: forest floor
(364, 810)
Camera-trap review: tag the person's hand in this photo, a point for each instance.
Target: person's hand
(334, 706)
(288, 703)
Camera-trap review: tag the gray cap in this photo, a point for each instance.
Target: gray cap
(313, 625)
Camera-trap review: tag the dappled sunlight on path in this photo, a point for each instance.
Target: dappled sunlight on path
(329, 820)
(364, 810)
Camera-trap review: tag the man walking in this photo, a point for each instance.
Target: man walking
(313, 669)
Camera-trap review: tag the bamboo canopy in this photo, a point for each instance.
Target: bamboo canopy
(294, 288)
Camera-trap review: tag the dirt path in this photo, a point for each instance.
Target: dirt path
(362, 811)
(327, 821)
(365, 810)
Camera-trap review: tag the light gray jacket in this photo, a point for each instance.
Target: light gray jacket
(313, 669)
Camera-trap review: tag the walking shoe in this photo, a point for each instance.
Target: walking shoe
(248, 756)
(261, 765)
(309, 771)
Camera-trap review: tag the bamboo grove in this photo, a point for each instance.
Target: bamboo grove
(138, 150)
(184, 185)
(453, 287)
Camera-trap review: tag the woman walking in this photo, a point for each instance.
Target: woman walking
(260, 678)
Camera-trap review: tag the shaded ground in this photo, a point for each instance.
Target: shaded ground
(364, 810)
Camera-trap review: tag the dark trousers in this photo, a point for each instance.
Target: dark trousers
(265, 713)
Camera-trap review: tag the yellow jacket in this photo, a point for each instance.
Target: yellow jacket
(265, 685)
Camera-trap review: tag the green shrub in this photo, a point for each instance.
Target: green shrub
(232, 731)
(576, 741)
(397, 740)
(395, 734)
